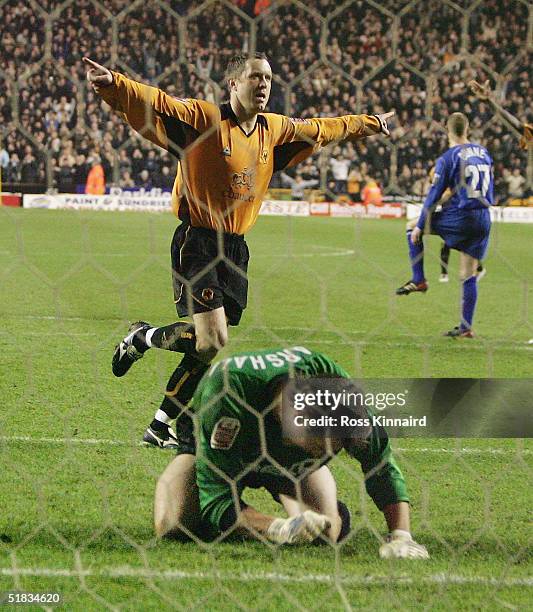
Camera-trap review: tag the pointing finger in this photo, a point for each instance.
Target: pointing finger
(91, 64)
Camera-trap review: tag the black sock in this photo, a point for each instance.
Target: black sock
(158, 425)
(444, 258)
(178, 337)
(181, 386)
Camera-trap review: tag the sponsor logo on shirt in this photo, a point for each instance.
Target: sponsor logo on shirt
(224, 433)
(242, 186)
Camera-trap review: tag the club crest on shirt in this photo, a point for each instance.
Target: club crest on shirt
(208, 294)
(224, 433)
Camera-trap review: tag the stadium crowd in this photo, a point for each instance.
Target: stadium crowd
(414, 58)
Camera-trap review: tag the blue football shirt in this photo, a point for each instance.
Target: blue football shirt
(467, 170)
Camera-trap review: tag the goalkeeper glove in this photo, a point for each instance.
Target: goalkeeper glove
(400, 545)
(299, 529)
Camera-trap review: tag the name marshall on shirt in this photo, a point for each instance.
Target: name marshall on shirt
(346, 421)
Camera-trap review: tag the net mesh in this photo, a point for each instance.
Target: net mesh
(71, 521)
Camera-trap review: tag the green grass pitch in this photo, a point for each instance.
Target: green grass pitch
(76, 489)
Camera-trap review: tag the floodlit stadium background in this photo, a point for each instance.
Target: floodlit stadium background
(77, 489)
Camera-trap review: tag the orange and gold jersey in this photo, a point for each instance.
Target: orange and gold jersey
(223, 172)
(527, 137)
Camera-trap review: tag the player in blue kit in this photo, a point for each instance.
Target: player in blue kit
(464, 176)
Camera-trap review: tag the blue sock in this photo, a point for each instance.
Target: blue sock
(416, 254)
(469, 301)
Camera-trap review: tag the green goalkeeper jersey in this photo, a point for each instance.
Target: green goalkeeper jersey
(239, 437)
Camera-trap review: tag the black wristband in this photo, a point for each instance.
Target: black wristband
(382, 124)
(229, 518)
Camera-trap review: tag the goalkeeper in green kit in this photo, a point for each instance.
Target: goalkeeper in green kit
(241, 443)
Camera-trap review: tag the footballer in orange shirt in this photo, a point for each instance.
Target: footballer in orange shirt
(227, 155)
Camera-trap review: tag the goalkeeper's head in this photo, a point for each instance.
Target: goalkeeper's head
(310, 410)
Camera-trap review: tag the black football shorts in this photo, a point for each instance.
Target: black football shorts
(209, 270)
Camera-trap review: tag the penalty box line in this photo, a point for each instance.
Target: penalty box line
(130, 572)
(467, 450)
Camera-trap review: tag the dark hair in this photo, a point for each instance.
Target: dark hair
(457, 124)
(237, 63)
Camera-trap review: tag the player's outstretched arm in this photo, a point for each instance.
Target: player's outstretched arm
(399, 543)
(322, 131)
(138, 103)
(482, 91)
(148, 109)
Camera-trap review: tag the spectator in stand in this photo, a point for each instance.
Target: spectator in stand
(371, 193)
(124, 162)
(340, 167)
(126, 182)
(145, 181)
(137, 163)
(95, 180)
(29, 172)
(81, 171)
(152, 164)
(165, 179)
(420, 186)
(358, 39)
(12, 171)
(66, 176)
(298, 185)
(515, 183)
(354, 185)
(260, 6)
(204, 65)
(4, 159)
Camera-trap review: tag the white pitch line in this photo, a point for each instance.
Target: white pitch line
(516, 346)
(468, 450)
(356, 337)
(337, 253)
(130, 572)
(88, 441)
(334, 252)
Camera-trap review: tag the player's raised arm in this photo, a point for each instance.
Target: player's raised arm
(149, 110)
(322, 131)
(483, 92)
(351, 127)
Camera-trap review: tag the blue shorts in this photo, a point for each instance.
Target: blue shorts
(464, 230)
